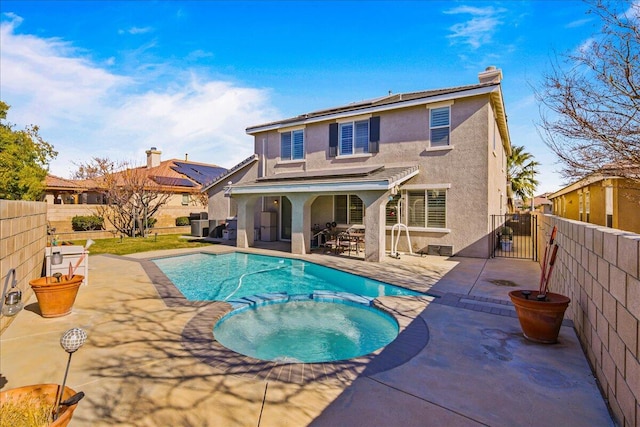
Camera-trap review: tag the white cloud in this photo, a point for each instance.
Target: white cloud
(578, 23)
(478, 30)
(84, 110)
(135, 30)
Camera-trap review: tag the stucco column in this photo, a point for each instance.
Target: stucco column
(301, 222)
(374, 224)
(246, 212)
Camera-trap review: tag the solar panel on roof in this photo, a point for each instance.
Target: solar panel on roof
(176, 182)
(198, 173)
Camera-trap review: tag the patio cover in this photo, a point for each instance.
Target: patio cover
(327, 181)
(373, 184)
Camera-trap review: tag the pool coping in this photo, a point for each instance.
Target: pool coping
(198, 339)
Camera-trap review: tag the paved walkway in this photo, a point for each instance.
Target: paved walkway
(470, 366)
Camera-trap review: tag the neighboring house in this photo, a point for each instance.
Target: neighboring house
(433, 160)
(542, 203)
(605, 200)
(181, 178)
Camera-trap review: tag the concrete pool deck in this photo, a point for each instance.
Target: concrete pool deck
(474, 369)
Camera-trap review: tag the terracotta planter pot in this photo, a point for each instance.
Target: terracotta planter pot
(540, 320)
(56, 298)
(47, 393)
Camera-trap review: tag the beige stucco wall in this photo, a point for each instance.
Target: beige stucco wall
(471, 169)
(221, 207)
(598, 268)
(23, 238)
(60, 216)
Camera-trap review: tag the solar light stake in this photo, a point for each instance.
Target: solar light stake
(71, 341)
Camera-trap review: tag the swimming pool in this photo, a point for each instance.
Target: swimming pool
(232, 276)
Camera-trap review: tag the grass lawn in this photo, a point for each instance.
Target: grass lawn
(130, 245)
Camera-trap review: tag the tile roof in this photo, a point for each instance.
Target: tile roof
(172, 175)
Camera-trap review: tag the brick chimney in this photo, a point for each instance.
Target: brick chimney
(153, 157)
(490, 75)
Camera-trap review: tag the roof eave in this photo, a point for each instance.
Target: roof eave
(321, 187)
(374, 109)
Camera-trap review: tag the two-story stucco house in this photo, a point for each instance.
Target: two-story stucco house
(434, 161)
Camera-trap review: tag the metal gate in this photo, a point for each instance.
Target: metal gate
(514, 236)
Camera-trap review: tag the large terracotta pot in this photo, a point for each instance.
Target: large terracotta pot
(540, 320)
(56, 298)
(47, 393)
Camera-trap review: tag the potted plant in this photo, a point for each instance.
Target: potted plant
(35, 405)
(56, 294)
(506, 238)
(541, 312)
(44, 404)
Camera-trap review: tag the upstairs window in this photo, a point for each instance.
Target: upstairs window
(292, 145)
(440, 126)
(354, 138)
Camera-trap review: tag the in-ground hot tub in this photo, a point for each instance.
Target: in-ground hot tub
(322, 327)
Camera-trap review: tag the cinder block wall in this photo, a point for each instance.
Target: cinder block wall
(598, 268)
(23, 238)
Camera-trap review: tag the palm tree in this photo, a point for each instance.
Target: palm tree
(521, 175)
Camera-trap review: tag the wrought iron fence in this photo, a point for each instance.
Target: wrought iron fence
(514, 236)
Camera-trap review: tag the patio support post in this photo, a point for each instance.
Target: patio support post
(246, 214)
(374, 224)
(301, 222)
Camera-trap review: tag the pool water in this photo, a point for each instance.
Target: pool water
(208, 277)
(306, 331)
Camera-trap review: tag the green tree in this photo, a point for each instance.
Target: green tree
(521, 174)
(24, 160)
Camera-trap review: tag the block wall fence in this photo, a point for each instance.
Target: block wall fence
(23, 238)
(598, 269)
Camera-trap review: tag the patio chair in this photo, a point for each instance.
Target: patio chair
(346, 242)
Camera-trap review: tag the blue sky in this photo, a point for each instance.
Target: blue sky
(113, 78)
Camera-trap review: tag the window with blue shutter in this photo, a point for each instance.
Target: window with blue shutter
(440, 126)
(362, 137)
(346, 139)
(292, 145)
(354, 138)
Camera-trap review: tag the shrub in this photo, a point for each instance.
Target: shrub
(182, 220)
(151, 222)
(86, 223)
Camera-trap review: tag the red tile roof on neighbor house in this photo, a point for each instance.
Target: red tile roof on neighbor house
(170, 175)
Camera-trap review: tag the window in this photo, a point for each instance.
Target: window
(354, 138)
(439, 126)
(348, 209)
(587, 205)
(580, 207)
(292, 145)
(608, 205)
(185, 199)
(427, 208)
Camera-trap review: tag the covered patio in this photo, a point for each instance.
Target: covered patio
(372, 184)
